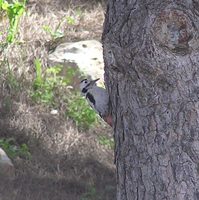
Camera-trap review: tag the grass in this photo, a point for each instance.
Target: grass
(45, 83)
(81, 113)
(62, 146)
(14, 11)
(91, 194)
(71, 20)
(13, 149)
(106, 141)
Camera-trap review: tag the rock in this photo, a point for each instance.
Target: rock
(86, 55)
(7, 169)
(54, 112)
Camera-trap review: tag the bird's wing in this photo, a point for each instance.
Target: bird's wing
(101, 100)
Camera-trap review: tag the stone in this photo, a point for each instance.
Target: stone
(7, 170)
(54, 112)
(86, 55)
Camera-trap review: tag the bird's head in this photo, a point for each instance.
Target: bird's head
(86, 84)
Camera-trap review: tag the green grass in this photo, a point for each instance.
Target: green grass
(14, 12)
(53, 33)
(46, 83)
(106, 141)
(91, 194)
(10, 80)
(82, 114)
(14, 150)
(57, 32)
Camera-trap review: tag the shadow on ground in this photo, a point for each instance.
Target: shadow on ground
(29, 186)
(48, 175)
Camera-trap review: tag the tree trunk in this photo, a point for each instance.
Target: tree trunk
(151, 54)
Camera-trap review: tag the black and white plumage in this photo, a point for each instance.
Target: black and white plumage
(96, 96)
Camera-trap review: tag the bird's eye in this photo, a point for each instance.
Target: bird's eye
(85, 81)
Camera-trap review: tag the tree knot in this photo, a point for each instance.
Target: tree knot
(174, 30)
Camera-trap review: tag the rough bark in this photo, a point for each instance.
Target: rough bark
(151, 54)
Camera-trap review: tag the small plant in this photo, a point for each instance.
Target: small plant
(71, 73)
(57, 33)
(38, 80)
(80, 112)
(54, 33)
(14, 11)
(70, 20)
(10, 80)
(106, 141)
(13, 150)
(45, 84)
(90, 195)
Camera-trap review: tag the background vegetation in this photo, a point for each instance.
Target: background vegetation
(58, 144)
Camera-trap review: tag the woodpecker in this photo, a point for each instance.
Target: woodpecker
(97, 98)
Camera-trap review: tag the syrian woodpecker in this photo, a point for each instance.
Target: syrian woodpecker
(97, 98)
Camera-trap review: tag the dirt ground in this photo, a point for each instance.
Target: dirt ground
(65, 163)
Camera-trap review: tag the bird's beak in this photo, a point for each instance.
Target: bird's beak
(94, 81)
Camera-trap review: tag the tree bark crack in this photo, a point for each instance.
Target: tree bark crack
(154, 93)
